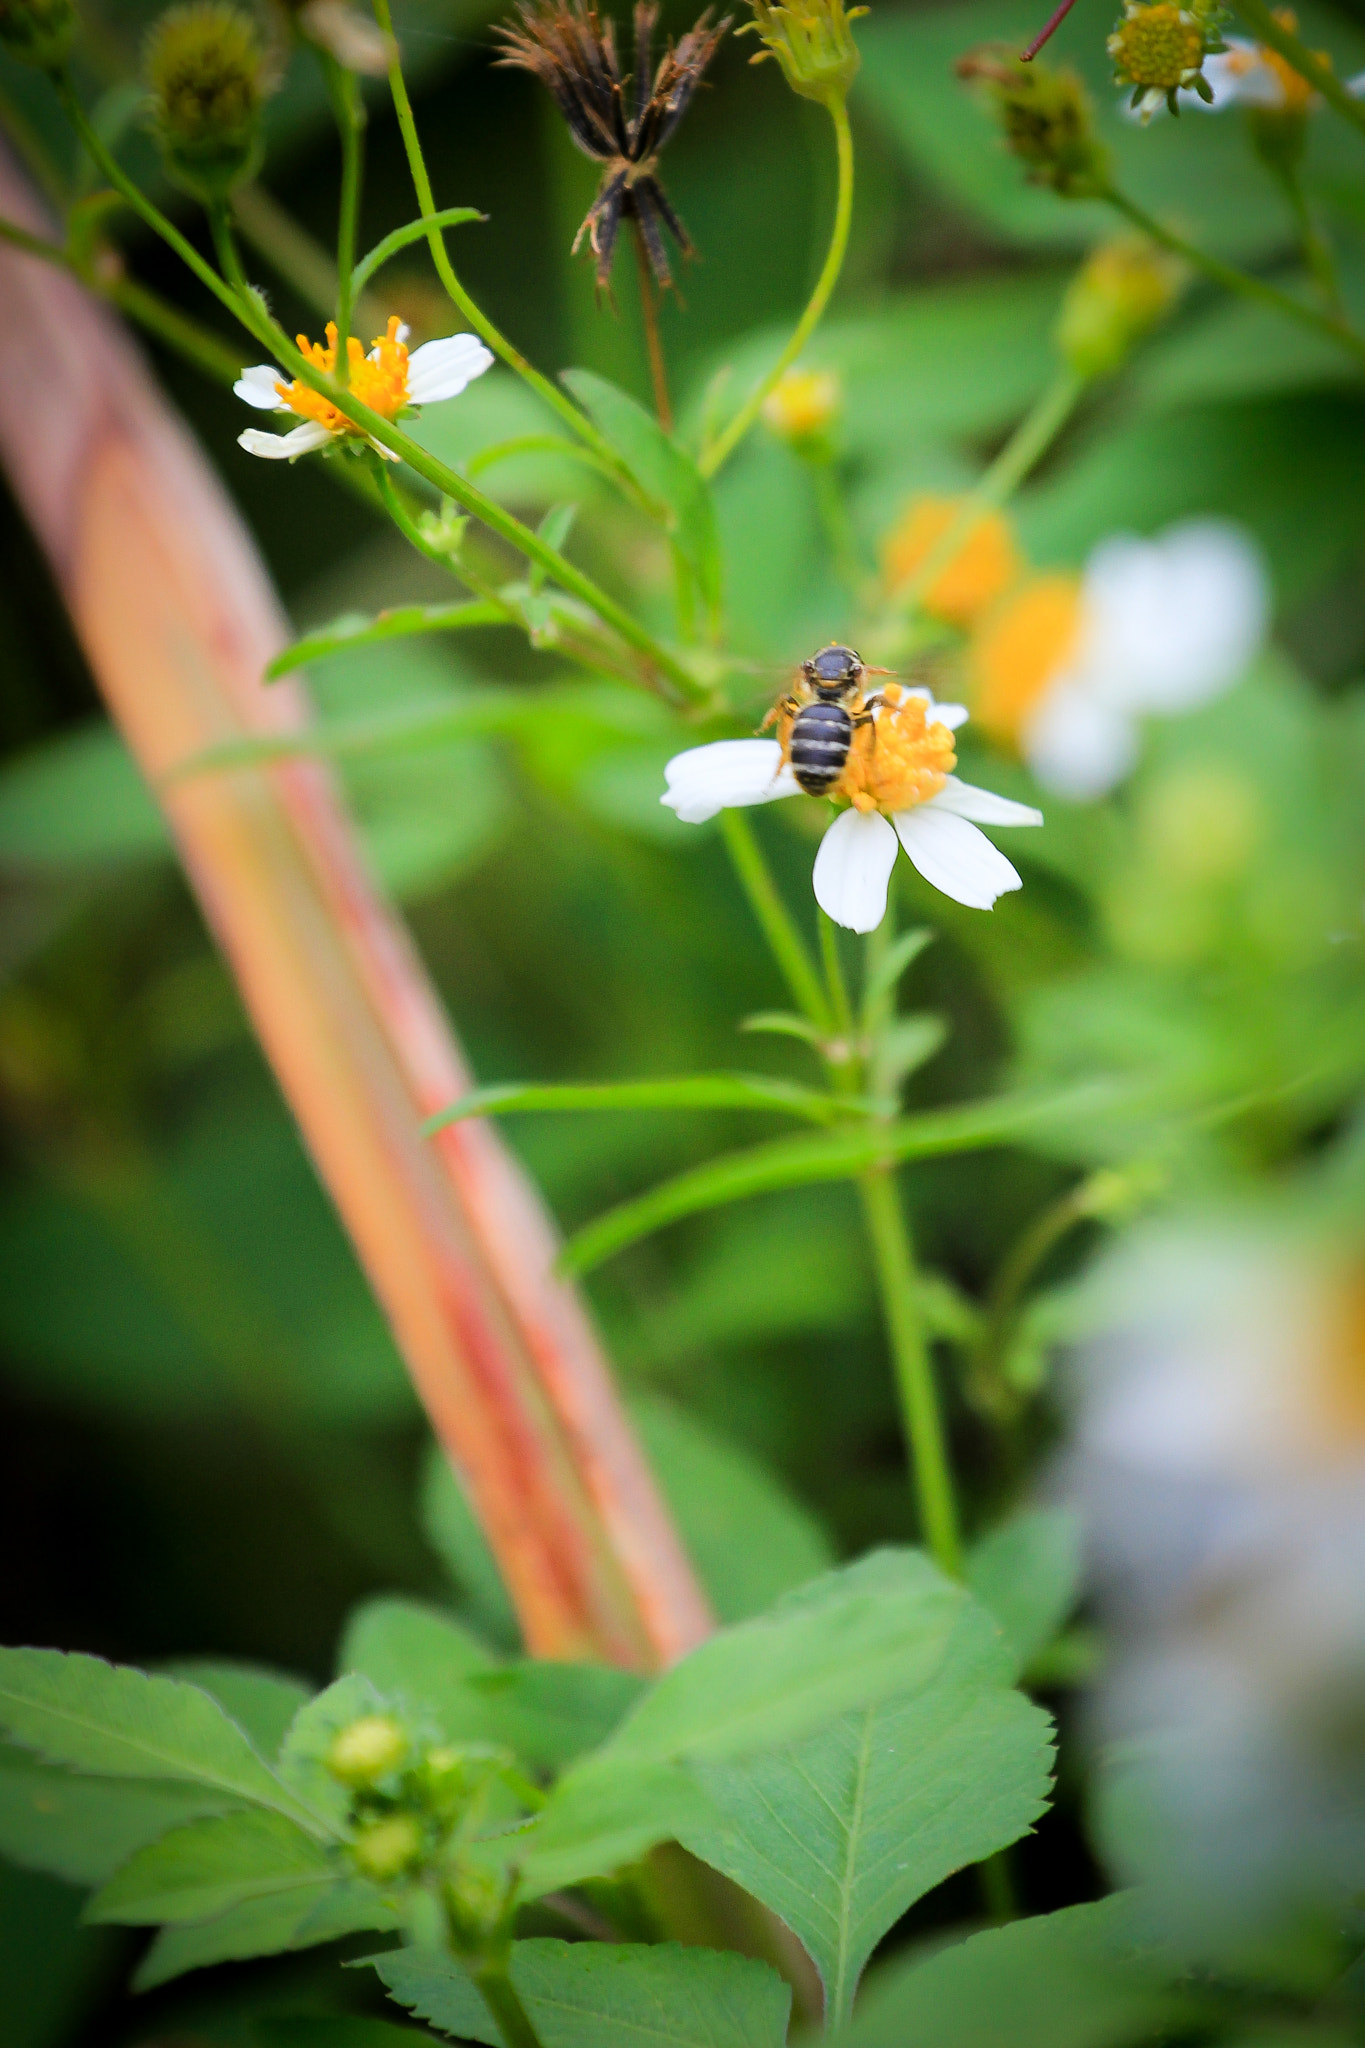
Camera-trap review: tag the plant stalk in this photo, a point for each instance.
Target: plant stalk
(500, 1996)
(654, 341)
(775, 920)
(349, 108)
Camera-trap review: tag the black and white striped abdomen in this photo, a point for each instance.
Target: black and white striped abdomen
(820, 739)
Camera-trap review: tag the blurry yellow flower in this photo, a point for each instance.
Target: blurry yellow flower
(983, 568)
(803, 404)
(1122, 290)
(1020, 650)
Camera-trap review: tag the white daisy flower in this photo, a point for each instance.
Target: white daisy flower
(1066, 668)
(388, 380)
(902, 793)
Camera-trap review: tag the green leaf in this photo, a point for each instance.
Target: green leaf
(402, 238)
(554, 529)
(358, 629)
(662, 469)
(77, 799)
(749, 1540)
(1028, 1573)
(1061, 1980)
(604, 1995)
(905, 1046)
(841, 1835)
(683, 1091)
(204, 1869)
(261, 1701)
(866, 1632)
(834, 1155)
(117, 1722)
(410, 1652)
(900, 955)
(783, 1024)
(310, 1736)
(294, 1919)
(453, 1531)
(604, 1813)
(82, 1828)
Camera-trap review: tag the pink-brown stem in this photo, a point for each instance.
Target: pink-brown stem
(177, 619)
(1046, 34)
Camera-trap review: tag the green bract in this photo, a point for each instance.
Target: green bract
(205, 68)
(38, 32)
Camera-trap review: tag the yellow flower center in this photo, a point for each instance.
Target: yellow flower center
(802, 403)
(379, 379)
(1019, 652)
(982, 569)
(900, 760)
(1157, 46)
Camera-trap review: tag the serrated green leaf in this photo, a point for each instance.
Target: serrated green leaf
(261, 1701)
(300, 1918)
(453, 1531)
(204, 1869)
(604, 1813)
(749, 1540)
(841, 1835)
(82, 1828)
(682, 1091)
(310, 1736)
(1060, 1980)
(356, 629)
(117, 1722)
(1028, 1573)
(605, 1995)
(665, 472)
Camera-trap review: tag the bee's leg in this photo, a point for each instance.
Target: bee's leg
(785, 707)
(866, 717)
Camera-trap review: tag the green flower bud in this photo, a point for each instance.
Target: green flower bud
(812, 41)
(479, 1907)
(366, 1751)
(206, 69)
(1046, 118)
(1118, 295)
(38, 32)
(384, 1849)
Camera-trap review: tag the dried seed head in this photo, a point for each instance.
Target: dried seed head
(38, 32)
(1046, 119)
(206, 69)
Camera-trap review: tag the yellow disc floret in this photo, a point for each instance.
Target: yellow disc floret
(1157, 47)
(980, 571)
(900, 760)
(802, 404)
(379, 379)
(1021, 650)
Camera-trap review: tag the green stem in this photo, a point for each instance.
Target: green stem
(349, 110)
(229, 262)
(1026, 446)
(784, 940)
(445, 270)
(501, 1998)
(895, 1262)
(834, 981)
(727, 441)
(1317, 251)
(1239, 281)
(1263, 23)
(248, 310)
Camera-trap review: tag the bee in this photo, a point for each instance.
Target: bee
(825, 709)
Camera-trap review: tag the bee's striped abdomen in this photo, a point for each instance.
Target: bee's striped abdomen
(821, 735)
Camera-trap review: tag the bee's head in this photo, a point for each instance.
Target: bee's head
(833, 672)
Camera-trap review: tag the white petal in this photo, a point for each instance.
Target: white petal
(953, 856)
(257, 386)
(285, 447)
(1240, 76)
(982, 806)
(725, 775)
(1077, 745)
(1173, 621)
(441, 369)
(853, 868)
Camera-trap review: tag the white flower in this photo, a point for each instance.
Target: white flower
(1065, 670)
(388, 380)
(853, 865)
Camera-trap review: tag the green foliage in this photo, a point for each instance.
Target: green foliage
(300, 1916)
(604, 1996)
(1028, 1573)
(81, 1828)
(200, 1871)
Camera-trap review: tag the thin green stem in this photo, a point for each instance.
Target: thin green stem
(895, 1263)
(729, 439)
(558, 400)
(775, 921)
(1317, 250)
(1266, 25)
(229, 262)
(502, 1999)
(1025, 448)
(1240, 281)
(349, 110)
(839, 1003)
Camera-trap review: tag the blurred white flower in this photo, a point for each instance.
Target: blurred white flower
(389, 380)
(1064, 670)
(902, 793)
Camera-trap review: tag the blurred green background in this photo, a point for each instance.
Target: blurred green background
(207, 1442)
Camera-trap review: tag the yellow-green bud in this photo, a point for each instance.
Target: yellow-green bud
(1117, 296)
(813, 43)
(206, 69)
(384, 1849)
(38, 31)
(366, 1751)
(1046, 119)
(802, 407)
(478, 1904)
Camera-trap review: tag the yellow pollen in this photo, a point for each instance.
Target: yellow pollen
(1020, 650)
(901, 760)
(379, 379)
(1157, 46)
(982, 570)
